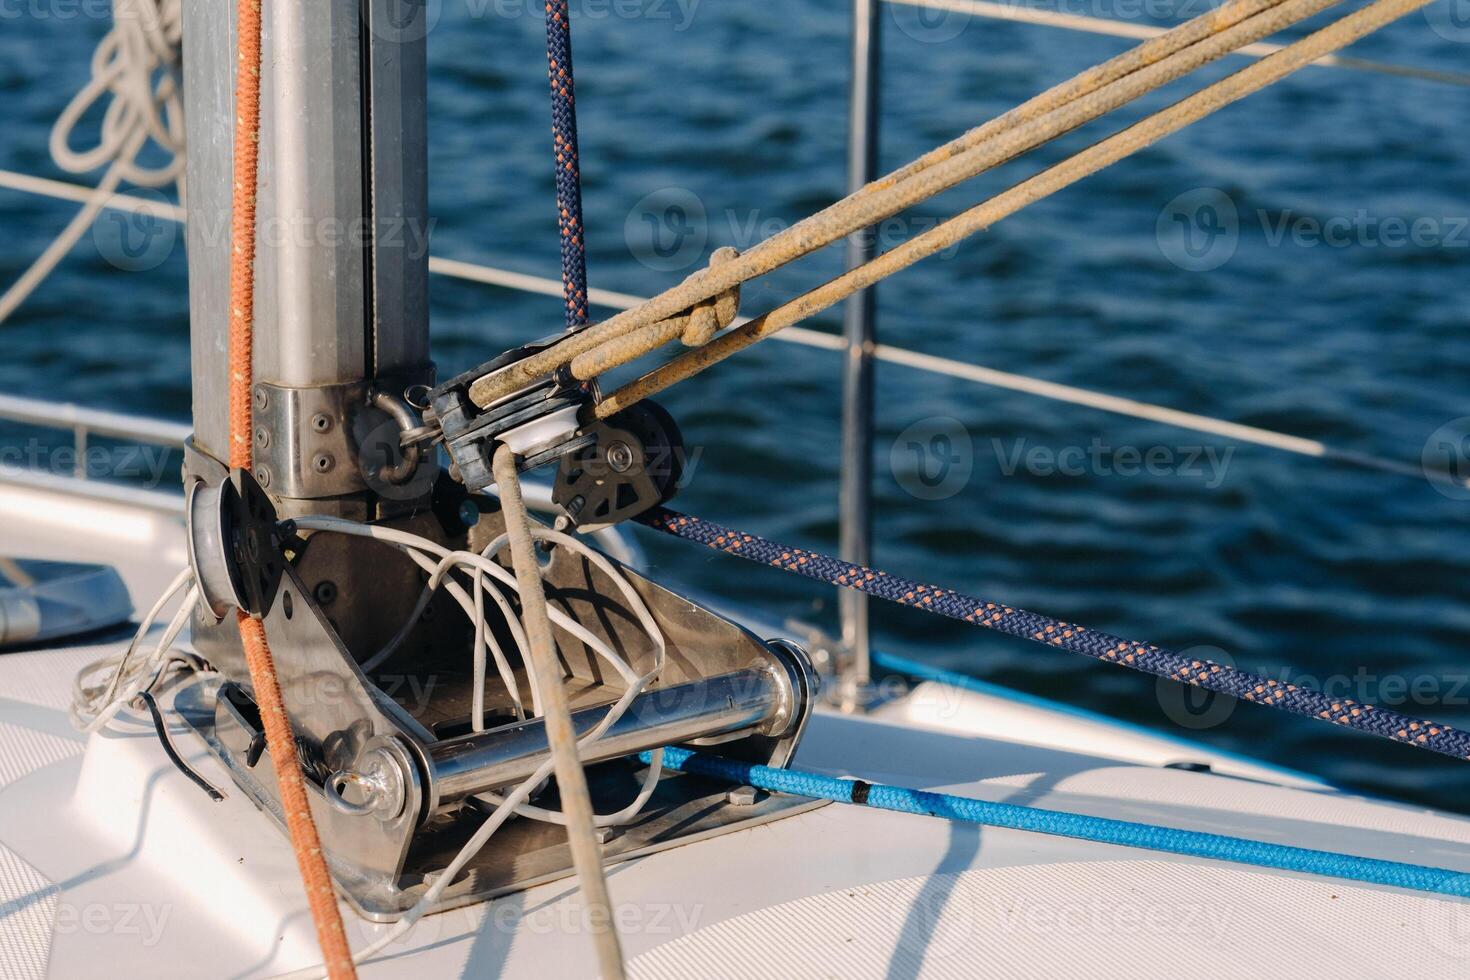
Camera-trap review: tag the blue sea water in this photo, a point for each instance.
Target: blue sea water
(1297, 262)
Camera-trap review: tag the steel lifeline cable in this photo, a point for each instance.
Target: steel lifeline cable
(281, 744)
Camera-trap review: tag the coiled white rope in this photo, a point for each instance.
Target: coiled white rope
(135, 65)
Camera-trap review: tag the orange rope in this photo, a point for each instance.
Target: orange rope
(278, 737)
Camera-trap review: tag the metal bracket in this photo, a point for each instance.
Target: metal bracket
(332, 440)
(389, 773)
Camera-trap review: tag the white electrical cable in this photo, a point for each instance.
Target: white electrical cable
(478, 566)
(152, 668)
(103, 706)
(449, 559)
(89, 702)
(142, 45)
(515, 801)
(474, 609)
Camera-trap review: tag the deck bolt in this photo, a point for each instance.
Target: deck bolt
(321, 422)
(262, 438)
(323, 462)
(262, 400)
(263, 476)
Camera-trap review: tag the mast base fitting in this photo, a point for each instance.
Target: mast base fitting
(610, 470)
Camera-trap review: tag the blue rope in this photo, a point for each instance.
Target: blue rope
(1102, 830)
(1145, 657)
(568, 167)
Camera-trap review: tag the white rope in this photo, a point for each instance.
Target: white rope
(1017, 12)
(92, 711)
(133, 65)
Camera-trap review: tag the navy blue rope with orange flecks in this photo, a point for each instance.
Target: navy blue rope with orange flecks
(568, 166)
(1146, 657)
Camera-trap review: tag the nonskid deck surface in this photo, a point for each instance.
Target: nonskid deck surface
(111, 861)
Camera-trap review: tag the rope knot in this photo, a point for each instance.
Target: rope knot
(716, 313)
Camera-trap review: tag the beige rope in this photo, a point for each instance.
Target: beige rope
(695, 326)
(1142, 134)
(571, 781)
(1056, 111)
(930, 171)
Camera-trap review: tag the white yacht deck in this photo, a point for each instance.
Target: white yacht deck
(108, 854)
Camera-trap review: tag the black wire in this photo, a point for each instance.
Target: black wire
(173, 754)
